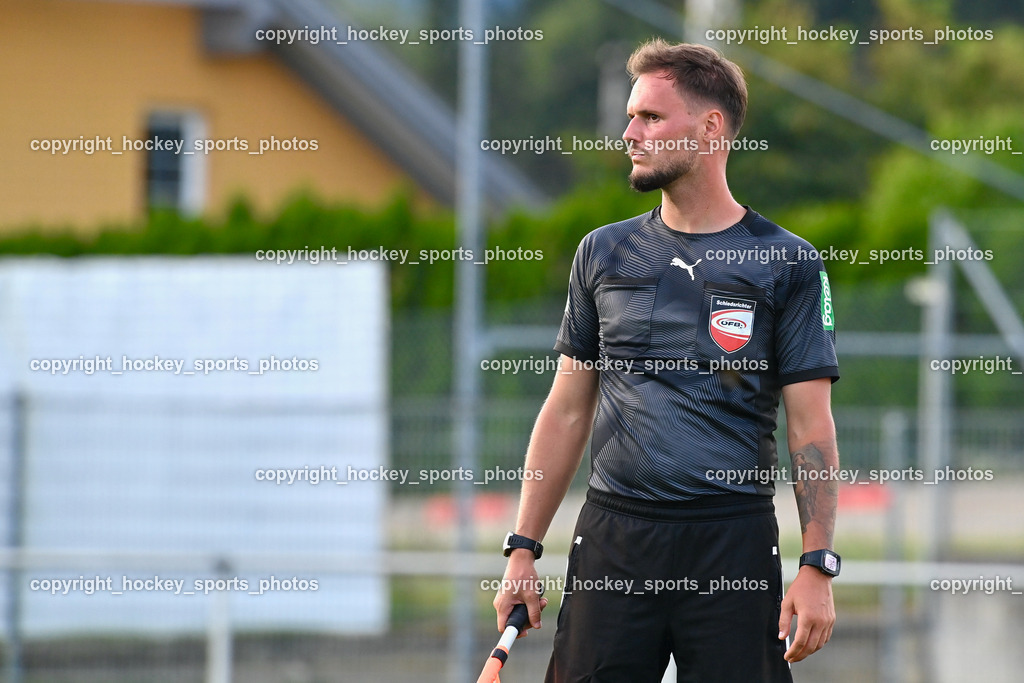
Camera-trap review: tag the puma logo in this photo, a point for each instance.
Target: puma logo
(689, 269)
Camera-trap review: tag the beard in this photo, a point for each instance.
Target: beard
(657, 178)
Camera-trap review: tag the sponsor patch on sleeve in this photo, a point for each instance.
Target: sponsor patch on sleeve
(828, 318)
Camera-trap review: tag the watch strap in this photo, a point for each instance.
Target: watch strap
(514, 541)
(826, 561)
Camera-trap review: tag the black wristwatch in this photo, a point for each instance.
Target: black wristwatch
(514, 540)
(825, 561)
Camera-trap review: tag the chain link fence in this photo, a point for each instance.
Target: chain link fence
(419, 576)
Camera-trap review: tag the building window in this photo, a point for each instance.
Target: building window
(175, 173)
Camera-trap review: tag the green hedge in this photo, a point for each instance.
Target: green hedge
(306, 222)
(532, 291)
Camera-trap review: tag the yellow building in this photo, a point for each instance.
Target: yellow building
(110, 107)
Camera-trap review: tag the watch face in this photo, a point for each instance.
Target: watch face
(831, 562)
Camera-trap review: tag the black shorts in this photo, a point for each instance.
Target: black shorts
(701, 581)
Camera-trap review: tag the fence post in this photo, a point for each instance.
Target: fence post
(218, 635)
(15, 536)
(894, 449)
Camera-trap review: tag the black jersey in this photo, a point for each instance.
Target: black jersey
(695, 336)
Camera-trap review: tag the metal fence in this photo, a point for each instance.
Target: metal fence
(884, 608)
(870, 642)
(893, 625)
(421, 438)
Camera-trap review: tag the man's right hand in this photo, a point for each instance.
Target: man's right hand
(519, 585)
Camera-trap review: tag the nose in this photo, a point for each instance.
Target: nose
(630, 135)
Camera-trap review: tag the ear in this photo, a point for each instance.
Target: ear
(713, 124)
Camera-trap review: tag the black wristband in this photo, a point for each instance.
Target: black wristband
(825, 561)
(514, 541)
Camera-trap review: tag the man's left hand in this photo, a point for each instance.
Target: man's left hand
(810, 599)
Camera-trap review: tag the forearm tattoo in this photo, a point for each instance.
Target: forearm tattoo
(817, 491)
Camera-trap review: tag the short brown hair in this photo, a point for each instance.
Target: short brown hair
(698, 71)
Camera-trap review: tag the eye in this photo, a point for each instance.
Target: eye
(653, 117)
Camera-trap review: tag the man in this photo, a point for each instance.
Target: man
(676, 356)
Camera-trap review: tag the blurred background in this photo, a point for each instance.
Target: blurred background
(244, 430)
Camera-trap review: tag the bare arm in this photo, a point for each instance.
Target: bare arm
(556, 446)
(812, 443)
(556, 449)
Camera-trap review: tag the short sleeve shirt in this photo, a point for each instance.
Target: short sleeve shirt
(695, 335)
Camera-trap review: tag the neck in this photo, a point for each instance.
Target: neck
(700, 203)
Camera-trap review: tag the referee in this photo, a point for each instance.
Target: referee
(675, 352)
